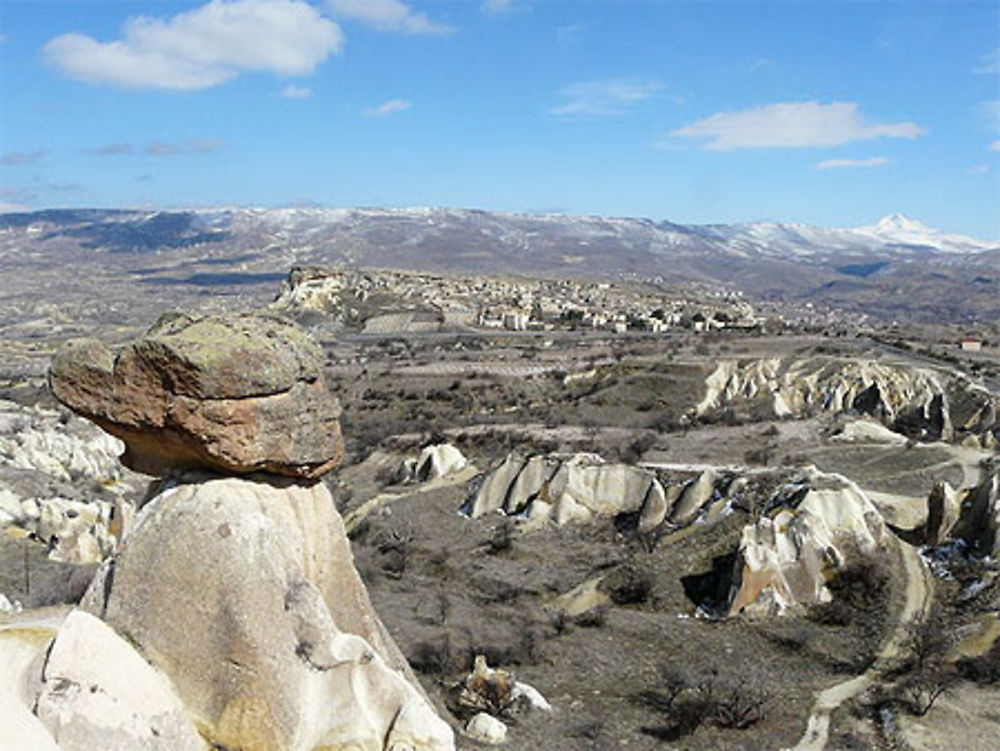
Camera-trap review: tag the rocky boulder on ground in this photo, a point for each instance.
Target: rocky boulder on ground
(239, 393)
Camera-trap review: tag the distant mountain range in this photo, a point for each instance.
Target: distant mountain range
(895, 267)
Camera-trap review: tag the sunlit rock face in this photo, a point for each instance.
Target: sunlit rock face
(917, 401)
(61, 484)
(238, 393)
(258, 616)
(568, 487)
(786, 559)
(71, 683)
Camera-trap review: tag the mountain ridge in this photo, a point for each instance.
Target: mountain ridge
(895, 267)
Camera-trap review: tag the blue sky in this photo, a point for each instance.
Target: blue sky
(828, 113)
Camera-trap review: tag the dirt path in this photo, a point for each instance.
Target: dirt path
(353, 518)
(917, 601)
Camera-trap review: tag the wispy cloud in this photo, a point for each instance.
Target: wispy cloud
(496, 7)
(989, 63)
(388, 107)
(995, 146)
(159, 148)
(604, 97)
(296, 92)
(978, 169)
(18, 158)
(790, 125)
(875, 161)
(762, 63)
(569, 36)
(202, 47)
(387, 15)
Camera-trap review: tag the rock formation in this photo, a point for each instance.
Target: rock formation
(439, 460)
(237, 589)
(921, 402)
(237, 393)
(567, 487)
(978, 525)
(785, 559)
(72, 684)
(46, 458)
(288, 646)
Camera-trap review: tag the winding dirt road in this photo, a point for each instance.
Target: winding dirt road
(917, 601)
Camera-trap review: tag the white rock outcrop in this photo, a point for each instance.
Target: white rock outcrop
(50, 465)
(485, 728)
(36, 439)
(76, 532)
(785, 560)
(72, 684)
(244, 592)
(924, 401)
(439, 460)
(866, 431)
(568, 487)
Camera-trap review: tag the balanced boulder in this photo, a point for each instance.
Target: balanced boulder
(238, 393)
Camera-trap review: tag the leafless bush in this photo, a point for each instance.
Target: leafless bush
(736, 702)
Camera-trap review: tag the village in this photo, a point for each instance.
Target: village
(385, 301)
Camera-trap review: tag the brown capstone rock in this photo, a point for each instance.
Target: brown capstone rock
(237, 393)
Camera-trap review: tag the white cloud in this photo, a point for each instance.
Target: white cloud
(790, 125)
(13, 208)
(388, 107)
(978, 169)
(202, 47)
(296, 92)
(875, 161)
(496, 7)
(387, 15)
(990, 62)
(18, 158)
(609, 96)
(995, 146)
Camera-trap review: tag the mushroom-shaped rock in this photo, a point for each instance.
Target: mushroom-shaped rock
(244, 592)
(237, 393)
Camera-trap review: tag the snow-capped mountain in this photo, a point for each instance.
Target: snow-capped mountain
(899, 229)
(895, 263)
